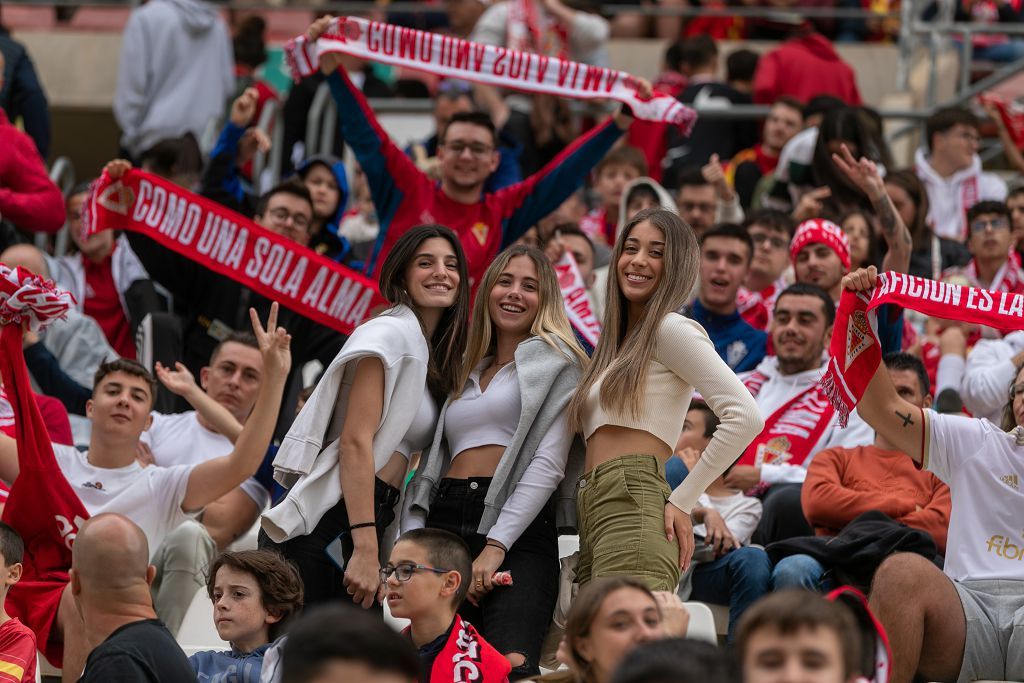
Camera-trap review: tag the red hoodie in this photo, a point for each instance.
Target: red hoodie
(28, 198)
(804, 67)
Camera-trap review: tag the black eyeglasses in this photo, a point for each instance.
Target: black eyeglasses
(760, 238)
(405, 570)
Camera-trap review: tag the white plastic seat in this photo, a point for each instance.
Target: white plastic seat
(393, 621)
(702, 623)
(197, 632)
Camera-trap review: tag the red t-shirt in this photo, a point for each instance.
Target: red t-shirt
(17, 652)
(103, 303)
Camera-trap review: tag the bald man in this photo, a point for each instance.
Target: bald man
(110, 583)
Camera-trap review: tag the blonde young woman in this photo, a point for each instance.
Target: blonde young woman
(501, 449)
(631, 404)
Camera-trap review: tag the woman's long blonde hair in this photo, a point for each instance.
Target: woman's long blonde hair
(551, 324)
(622, 355)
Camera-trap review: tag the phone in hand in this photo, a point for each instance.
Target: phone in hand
(340, 549)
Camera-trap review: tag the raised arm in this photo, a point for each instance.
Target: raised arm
(900, 422)
(864, 173)
(212, 479)
(181, 382)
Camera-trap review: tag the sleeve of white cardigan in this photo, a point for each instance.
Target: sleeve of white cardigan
(686, 350)
(539, 480)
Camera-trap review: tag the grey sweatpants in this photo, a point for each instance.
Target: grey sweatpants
(181, 566)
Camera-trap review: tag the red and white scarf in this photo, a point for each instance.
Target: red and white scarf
(234, 246)
(577, 302)
(452, 57)
(792, 431)
(529, 30)
(467, 657)
(856, 353)
(1009, 277)
(756, 307)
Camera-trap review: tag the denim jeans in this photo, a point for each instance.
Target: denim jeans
(738, 578)
(322, 580)
(801, 571)
(514, 619)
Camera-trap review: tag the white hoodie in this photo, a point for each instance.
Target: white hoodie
(946, 195)
(779, 389)
(176, 72)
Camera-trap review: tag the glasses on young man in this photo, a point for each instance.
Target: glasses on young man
(998, 223)
(281, 216)
(477, 150)
(760, 238)
(405, 570)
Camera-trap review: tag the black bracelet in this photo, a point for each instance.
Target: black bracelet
(495, 544)
(361, 525)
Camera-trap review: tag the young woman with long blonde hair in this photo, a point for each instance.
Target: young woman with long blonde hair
(501, 449)
(631, 403)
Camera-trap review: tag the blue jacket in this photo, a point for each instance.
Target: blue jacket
(231, 666)
(739, 344)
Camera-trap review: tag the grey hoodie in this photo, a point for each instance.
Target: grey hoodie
(176, 72)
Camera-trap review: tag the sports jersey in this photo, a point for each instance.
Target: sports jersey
(405, 197)
(984, 469)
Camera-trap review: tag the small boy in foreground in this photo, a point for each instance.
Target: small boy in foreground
(425, 581)
(17, 642)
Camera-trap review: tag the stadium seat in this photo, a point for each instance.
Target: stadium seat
(702, 623)
(197, 632)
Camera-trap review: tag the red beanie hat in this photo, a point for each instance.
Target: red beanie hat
(821, 231)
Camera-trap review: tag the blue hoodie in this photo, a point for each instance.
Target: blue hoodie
(328, 242)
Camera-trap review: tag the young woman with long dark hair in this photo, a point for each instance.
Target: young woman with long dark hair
(348, 451)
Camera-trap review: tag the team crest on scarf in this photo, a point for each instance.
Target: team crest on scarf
(116, 198)
(480, 231)
(858, 336)
(774, 452)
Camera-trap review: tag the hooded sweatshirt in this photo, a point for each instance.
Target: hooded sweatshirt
(950, 197)
(329, 241)
(803, 67)
(176, 72)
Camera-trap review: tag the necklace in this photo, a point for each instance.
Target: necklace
(498, 366)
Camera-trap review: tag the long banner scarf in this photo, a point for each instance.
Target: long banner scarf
(792, 431)
(468, 657)
(452, 57)
(577, 301)
(856, 353)
(234, 246)
(42, 506)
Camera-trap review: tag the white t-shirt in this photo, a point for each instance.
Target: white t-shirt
(984, 468)
(741, 514)
(149, 496)
(179, 439)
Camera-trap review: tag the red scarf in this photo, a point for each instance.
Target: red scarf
(452, 57)
(855, 350)
(792, 431)
(756, 307)
(42, 506)
(234, 246)
(467, 657)
(1009, 277)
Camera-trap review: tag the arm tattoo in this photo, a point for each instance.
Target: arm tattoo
(906, 418)
(887, 217)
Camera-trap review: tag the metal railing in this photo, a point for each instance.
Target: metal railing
(62, 173)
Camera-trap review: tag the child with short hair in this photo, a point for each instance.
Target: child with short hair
(727, 569)
(611, 175)
(425, 581)
(796, 630)
(254, 594)
(17, 642)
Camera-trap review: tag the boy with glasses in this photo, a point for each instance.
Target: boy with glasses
(771, 232)
(991, 266)
(425, 581)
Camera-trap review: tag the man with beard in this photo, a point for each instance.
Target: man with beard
(799, 420)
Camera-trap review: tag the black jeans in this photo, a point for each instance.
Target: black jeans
(783, 515)
(322, 580)
(514, 619)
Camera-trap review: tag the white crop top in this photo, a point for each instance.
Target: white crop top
(484, 418)
(421, 431)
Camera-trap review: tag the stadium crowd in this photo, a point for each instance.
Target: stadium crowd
(589, 390)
